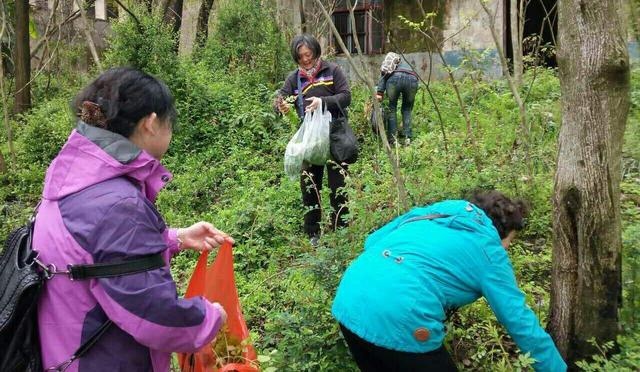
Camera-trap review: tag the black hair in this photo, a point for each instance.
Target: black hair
(124, 95)
(507, 215)
(307, 40)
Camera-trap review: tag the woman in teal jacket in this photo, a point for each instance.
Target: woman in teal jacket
(393, 300)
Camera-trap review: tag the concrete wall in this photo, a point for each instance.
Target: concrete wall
(466, 29)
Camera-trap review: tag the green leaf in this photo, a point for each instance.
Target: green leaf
(263, 358)
(33, 32)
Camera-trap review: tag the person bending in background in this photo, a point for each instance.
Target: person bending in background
(393, 300)
(318, 82)
(98, 207)
(401, 81)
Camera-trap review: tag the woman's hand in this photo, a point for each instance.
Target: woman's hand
(282, 104)
(315, 103)
(283, 107)
(223, 313)
(202, 236)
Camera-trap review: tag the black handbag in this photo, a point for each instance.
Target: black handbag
(19, 340)
(343, 143)
(22, 277)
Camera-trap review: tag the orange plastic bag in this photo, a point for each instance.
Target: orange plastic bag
(217, 284)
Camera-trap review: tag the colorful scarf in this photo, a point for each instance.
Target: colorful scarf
(310, 73)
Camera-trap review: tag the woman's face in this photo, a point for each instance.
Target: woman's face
(164, 135)
(306, 58)
(153, 135)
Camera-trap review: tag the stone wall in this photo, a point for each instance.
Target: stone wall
(465, 26)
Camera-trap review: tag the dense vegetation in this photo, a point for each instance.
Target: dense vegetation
(227, 160)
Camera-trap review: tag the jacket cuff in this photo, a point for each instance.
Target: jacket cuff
(171, 238)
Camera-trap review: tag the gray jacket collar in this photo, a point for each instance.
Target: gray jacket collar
(117, 146)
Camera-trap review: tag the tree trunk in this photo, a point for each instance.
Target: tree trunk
(5, 103)
(22, 58)
(5, 114)
(516, 40)
(202, 31)
(189, 26)
(594, 79)
(173, 15)
(3, 164)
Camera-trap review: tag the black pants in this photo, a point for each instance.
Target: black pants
(372, 358)
(311, 185)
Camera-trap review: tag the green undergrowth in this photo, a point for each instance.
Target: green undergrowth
(227, 159)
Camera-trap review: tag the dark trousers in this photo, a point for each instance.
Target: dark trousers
(311, 185)
(401, 83)
(372, 358)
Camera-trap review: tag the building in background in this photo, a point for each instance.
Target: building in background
(460, 26)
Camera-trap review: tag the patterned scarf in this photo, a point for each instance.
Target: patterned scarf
(312, 71)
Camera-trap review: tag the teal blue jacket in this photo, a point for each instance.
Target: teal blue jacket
(412, 272)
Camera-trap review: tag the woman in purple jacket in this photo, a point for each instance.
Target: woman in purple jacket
(98, 207)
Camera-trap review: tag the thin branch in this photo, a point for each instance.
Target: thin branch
(548, 19)
(535, 53)
(72, 17)
(51, 19)
(456, 89)
(354, 33)
(140, 29)
(462, 29)
(87, 35)
(512, 86)
(402, 192)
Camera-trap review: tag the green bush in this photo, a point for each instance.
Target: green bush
(236, 47)
(149, 45)
(227, 159)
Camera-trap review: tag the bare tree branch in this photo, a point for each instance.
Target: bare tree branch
(536, 51)
(73, 16)
(51, 19)
(402, 192)
(138, 24)
(516, 39)
(512, 85)
(87, 35)
(456, 88)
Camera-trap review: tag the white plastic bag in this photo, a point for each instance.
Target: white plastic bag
(316, 136)
(310, 143)
(294, 155)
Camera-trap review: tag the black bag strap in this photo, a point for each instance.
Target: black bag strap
(300, 107)
(105, 270)
(84, 348)
(111, 269)
(94, 271)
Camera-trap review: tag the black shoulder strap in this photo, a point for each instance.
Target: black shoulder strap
(300, 107)
(83, 348)
(107, 270)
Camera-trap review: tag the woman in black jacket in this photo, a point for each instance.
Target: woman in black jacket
(319, 83)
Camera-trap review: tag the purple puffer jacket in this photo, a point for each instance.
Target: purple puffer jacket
(98, 206)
